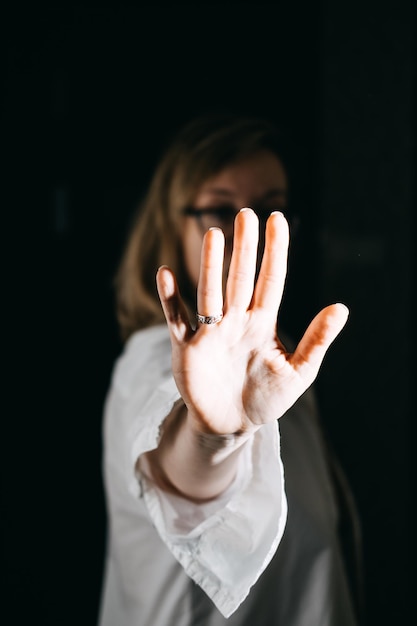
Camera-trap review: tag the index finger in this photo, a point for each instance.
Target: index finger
(271, 280)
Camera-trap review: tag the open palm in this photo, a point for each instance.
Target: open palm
(236, 375)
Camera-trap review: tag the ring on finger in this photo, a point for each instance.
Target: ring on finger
(209, 319)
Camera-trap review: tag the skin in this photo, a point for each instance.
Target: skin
(234, 376)
(258, 181)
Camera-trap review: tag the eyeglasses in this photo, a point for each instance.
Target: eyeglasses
(221, 217)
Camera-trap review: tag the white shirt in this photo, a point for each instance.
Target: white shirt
(237, 560)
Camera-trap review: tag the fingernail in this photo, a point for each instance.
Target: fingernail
(277, 213)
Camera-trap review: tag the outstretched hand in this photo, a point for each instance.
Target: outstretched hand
(236, 375)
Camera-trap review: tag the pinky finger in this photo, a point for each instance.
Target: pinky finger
(172, 305)
(318, 337)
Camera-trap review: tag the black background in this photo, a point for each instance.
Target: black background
(91, 96)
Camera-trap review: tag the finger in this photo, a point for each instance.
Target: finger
(240, 281)
(172, 305)
(322, 331)
(271, 279)
(210, 290)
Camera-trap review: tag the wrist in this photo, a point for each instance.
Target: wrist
(213, 446)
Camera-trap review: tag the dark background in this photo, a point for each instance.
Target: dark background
(91, 96)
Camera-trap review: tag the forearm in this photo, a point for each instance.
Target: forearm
(195, 464)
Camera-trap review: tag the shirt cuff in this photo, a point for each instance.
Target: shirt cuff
(224, 545)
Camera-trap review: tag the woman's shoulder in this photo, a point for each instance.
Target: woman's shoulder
(146, 339)
(146, 353)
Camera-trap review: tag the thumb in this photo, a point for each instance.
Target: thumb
(321, 332)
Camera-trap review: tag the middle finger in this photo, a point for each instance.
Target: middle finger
(241, 276)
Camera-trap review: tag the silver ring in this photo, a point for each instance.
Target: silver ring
(209, 319)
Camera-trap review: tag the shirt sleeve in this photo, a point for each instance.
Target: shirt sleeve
(223, 545)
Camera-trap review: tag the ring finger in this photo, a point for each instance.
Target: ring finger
(209, 290)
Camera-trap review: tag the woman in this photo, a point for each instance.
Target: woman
(203, 529)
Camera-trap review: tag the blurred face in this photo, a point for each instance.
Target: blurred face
(258, 182)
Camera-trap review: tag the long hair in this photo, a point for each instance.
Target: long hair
(199, 151)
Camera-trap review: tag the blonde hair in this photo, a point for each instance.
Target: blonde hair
(199, 151)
